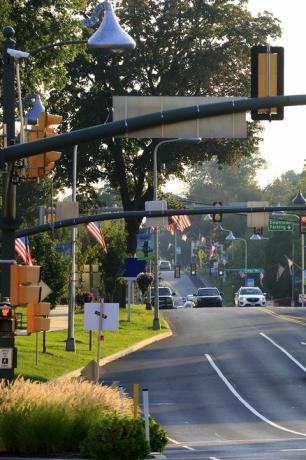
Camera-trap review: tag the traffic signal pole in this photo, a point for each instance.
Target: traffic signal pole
(9, 189)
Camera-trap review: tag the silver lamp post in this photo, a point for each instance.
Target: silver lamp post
(156, 321)
(232, 237)
(284, 214)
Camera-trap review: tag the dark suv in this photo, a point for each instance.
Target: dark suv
(165, 297)
(208, 297)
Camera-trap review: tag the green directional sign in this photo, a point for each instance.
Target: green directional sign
(276, 225)
(252, 270)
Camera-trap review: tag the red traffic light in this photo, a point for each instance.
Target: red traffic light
(303, 224)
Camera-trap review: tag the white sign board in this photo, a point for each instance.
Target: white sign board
(222, 126)
(6, 358)
(110, 316)
(156, 205)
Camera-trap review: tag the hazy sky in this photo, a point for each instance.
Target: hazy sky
(284, 141)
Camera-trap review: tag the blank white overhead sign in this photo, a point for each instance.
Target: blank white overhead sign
(222, 126)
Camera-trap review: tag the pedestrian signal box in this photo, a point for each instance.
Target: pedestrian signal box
(303, 224)
(221, 269)
(7, 319)
(193, 269)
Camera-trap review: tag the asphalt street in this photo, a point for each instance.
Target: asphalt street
(230, 383)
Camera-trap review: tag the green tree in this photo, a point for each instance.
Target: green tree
(111, 262)
(186, 48)
(55, 268)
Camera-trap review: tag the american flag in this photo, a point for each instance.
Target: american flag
(23, 249)
(94, 229)
(181, 222)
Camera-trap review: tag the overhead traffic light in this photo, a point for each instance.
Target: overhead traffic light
(217, 216)
(221, 269)
(303, 224)
(7, 319)
(24, 286)
(42, 164)
(267, 79)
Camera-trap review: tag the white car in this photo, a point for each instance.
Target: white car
(250, 296)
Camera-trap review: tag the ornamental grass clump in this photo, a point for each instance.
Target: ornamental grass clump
(40, 418)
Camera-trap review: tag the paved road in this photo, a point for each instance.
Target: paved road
(230, 383)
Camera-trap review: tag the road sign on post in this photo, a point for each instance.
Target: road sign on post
(276, 225)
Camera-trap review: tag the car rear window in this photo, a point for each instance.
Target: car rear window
(204, 292)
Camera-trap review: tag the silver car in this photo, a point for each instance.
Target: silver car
(250, 297)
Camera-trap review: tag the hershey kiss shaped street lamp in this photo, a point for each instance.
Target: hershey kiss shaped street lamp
(110, 34)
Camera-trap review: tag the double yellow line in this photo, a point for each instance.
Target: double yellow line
(291, 319)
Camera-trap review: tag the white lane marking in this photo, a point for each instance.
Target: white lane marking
(173, 440)
(292, 450)
(303, 343)
(189, 448)
(214, 458)
(245, 403)
(284, 351)
(178, 443)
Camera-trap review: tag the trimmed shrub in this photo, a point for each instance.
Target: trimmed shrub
(158, 436)
(115, 437)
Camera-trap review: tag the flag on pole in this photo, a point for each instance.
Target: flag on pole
(290, 264)
(280, 271)
(23, 249)
(94, 229)
(212, 251)
(181, 222)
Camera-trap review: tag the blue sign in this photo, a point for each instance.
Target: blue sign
(133, 266)
(250, 282)
(63, 247)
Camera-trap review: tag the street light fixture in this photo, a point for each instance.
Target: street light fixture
(232, 237)
(109, 36)
(156, 321)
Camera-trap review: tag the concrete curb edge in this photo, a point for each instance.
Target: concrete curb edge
(120, 354)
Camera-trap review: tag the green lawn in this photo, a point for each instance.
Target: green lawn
(56, 361)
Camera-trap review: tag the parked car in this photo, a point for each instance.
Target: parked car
(208, 297)
(165, 297)
(164, 265)
(250, 296)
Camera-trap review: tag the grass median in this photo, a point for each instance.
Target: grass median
(56, 361)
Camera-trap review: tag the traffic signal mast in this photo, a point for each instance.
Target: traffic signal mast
(41, 165)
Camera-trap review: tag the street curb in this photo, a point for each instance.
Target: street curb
(119, 354)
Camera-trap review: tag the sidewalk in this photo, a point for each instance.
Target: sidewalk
(59, 318)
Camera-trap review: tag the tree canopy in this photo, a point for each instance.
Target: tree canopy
(183, 48)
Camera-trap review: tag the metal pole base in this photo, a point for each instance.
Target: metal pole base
(70, 344)
(156, 323)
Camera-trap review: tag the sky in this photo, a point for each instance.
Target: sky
(284, 146)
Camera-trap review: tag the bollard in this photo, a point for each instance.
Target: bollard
(136, 398)
(121, 396)
(145, 402)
